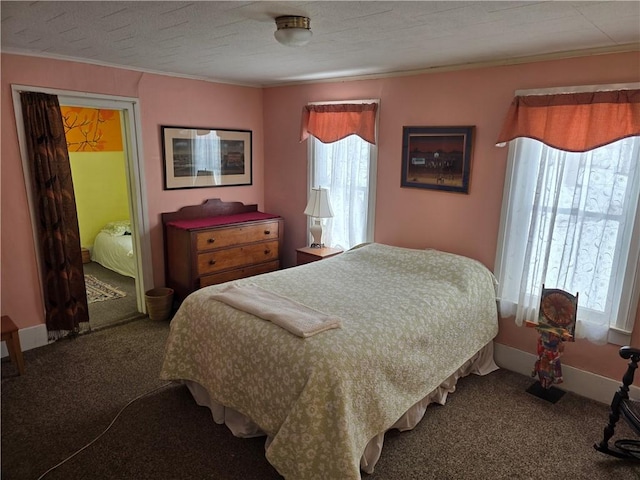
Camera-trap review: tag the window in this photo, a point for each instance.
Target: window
(342, 159)
(347, 169)
(570, 221)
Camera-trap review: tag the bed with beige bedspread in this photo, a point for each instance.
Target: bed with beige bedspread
(410, 322)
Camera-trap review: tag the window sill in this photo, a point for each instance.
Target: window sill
(618, 338)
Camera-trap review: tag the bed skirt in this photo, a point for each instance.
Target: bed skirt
(481, 363)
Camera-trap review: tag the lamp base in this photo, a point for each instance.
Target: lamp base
(316, 233)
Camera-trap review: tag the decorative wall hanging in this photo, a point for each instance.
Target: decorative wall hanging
(437, 158)
(92, 129)
(202, 157)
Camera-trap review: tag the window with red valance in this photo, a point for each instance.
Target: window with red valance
(342, 157)
(570, 206)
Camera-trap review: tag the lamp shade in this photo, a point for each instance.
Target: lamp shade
(319, 205)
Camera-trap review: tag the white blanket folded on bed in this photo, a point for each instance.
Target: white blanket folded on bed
(292, 316)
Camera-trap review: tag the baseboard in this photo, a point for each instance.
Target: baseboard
(580, 382)
(30, 337)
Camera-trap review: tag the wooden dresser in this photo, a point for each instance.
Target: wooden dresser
(218, 242)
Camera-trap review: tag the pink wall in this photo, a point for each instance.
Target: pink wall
(463, 224)
(164, 100)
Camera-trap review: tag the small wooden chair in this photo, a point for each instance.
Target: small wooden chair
(10, 335)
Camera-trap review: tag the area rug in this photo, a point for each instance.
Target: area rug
(99, 291)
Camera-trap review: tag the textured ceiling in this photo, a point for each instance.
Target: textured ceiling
(233, 41)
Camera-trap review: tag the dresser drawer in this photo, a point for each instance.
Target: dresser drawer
(238, 273)
(225, 237)
(224, 259)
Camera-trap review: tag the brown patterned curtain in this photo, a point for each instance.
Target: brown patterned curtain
(57, 221)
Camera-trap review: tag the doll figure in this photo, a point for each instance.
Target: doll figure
(548, 367)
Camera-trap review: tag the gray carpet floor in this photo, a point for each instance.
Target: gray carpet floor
(114, 311)
(74, 388)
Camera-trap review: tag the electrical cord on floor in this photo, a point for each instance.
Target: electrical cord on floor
(165, 385)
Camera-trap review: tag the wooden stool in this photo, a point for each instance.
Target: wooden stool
(10, 335)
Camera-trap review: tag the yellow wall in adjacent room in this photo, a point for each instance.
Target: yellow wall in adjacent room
(99, 182)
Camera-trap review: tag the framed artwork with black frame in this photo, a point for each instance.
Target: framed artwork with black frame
(205, 157)
(437, 158)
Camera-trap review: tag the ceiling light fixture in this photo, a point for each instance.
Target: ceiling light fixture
(293, 31)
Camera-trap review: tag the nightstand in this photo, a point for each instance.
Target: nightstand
(308, 254)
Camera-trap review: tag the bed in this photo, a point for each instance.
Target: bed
(410, 323)
(113, 248)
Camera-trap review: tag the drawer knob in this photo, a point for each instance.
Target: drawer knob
(211, 240)
(267, 232)
(212, 262)
(267, 251)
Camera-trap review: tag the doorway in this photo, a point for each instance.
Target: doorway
(98, 166)
(128, 111)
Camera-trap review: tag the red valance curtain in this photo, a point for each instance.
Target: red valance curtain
(574, 122)
(330, 123)
(65, 298)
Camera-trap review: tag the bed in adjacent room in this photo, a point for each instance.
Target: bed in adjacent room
(113, 248)
(390, 330)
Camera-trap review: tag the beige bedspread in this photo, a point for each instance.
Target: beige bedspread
(410, 319)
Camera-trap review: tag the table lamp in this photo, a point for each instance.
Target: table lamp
(318, 207)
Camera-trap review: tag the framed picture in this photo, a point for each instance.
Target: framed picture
(437, 158)
(204, 157)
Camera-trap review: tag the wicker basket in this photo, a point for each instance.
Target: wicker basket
(159, 303)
